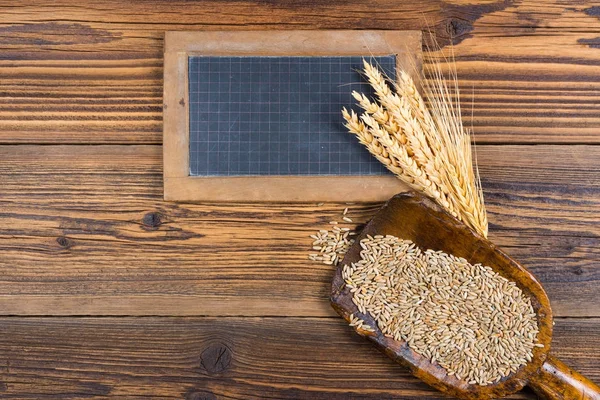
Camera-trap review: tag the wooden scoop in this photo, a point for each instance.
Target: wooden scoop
(414, 217)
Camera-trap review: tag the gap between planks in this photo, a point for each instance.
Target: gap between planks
(186, 306)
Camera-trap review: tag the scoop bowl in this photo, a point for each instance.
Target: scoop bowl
(415, 217)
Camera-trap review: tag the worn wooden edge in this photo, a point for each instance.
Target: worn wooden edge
(180, 186)
(283, 188)
(294, 42)
(175, 115)
(557, 381)
(399, 351)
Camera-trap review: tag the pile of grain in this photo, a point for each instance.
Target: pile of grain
(471, 321)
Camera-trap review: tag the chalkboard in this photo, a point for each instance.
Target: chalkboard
(256, 115)
(277, 115)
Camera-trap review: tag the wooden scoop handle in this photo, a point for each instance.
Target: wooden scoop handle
(556, 381)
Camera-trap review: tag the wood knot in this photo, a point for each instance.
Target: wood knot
(200, 396)
(593, 11)
(182, 102)
(216, 358)
(151, 220)
(457, 27)
(578, 271)
(64, 242)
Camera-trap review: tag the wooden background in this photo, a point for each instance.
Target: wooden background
(107, 291)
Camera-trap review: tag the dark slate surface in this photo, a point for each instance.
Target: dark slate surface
(276, 116)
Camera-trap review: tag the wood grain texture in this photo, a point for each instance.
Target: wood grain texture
(92, 73)
(85, 230)
(223, 358)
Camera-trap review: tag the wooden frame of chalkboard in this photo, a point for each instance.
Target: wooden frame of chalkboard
(179, 46)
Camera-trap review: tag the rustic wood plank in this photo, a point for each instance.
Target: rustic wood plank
(84, 231)
(210, 358)
(92, 73)
(75, 101)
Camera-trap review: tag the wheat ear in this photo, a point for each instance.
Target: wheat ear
(358, 128)
(426, 146)
(420, 176)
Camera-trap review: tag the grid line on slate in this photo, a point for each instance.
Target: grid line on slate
(277, 115)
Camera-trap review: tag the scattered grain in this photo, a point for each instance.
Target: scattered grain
(332, 245)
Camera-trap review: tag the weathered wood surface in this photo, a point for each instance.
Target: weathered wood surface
(84, 230)
(92, 73)
(223, 358)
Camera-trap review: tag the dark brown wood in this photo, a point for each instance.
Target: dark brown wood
(92, 73)
(179, 358)
(85, 230)
(414, 217)
(556, 381)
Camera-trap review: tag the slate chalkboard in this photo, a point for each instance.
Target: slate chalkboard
(276, 115)
(255, 115)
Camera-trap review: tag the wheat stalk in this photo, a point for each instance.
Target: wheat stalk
(426, 147)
